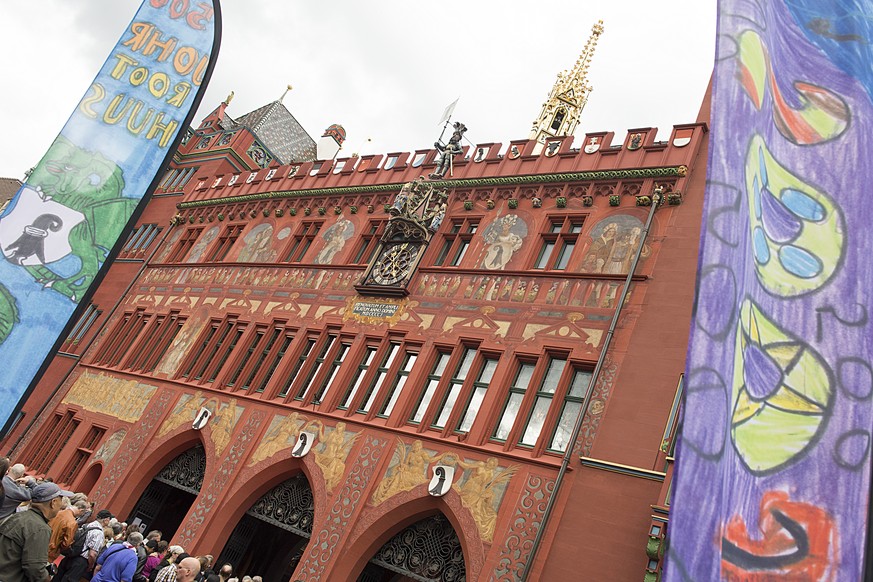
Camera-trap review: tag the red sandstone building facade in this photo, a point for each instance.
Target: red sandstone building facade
(241, 382)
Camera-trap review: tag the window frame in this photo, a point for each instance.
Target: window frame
(185, 243)
(216, 345)
(449, 404)
(457, 238)
(306, 233)
(83, 325)
(559, 232)
(368, 242)
(225, 242)
(156, 339)
(534, 392)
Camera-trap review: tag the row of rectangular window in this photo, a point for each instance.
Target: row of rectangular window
(177, 178)
(557, 243)
(326, 368)
(140, 239)
(55, 435)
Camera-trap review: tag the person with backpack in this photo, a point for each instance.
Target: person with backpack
(117, 563)
(82, 554)
(64, 527)
(24, 536)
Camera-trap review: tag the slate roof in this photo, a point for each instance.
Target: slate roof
(278, 131)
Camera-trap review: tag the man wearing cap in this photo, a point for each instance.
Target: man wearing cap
(24, 537)
(72, 568)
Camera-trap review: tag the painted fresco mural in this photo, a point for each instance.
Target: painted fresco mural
(257, 245)
(332, 449)
(773, 476)
(124, 399)
(196, 252)
(335, 238)
(281, 435)
(221, 424)
(408, 469)
(614, 241)
(503, 237)
(108, 449)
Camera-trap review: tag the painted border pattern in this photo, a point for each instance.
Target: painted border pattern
(207, 499)
(321, 546)
(523, 528)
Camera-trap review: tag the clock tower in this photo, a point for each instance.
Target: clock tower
(560, 114)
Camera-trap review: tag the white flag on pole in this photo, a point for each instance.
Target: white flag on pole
(448, 111)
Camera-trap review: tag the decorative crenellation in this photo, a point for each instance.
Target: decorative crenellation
(456, 184)
(470, 197)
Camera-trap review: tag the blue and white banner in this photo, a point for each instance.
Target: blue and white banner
(59, 229)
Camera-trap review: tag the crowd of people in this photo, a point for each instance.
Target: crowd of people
(48, 534)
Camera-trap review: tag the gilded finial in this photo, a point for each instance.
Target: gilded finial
(229, 98)
(288, 88)
(560, 113)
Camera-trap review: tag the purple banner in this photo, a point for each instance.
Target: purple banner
(772, 477)
(61, 226)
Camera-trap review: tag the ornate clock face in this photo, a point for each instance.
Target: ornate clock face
(395, 263)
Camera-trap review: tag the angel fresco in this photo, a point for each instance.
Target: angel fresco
(504, 237)
(332, 456)
(410, 472)
(479, 492)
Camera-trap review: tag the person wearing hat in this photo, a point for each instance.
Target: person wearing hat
(24, 537)
(72, 568)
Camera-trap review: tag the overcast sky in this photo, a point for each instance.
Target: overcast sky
(385, 69)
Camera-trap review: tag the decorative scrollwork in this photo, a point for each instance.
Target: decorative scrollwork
(289, 505)
(403, 230)
(186, 471)
(427, 550)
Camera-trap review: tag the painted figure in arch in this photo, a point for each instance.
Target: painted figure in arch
(504, 237)
(335, 239)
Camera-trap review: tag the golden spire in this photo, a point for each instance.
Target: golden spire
(229, 98)
(568, 97)
(285, 93)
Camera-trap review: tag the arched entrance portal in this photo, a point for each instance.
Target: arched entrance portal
(270, 538)
(169, 496)
(427, 551)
